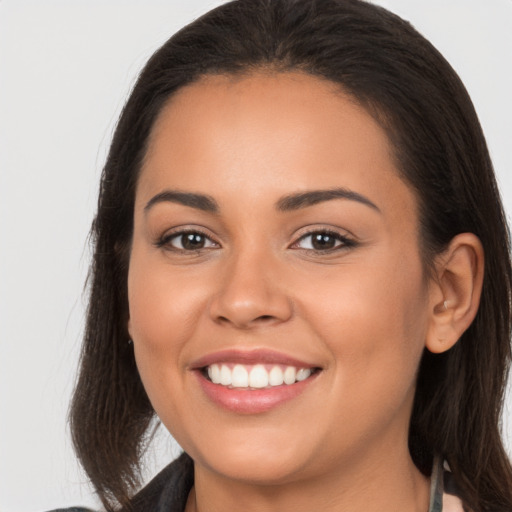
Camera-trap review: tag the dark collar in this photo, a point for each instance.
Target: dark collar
(169, 490)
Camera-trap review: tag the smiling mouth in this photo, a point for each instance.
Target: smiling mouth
(255, 376)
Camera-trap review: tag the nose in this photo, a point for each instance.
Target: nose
(251, 294)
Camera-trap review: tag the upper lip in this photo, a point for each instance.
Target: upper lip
(255, 356)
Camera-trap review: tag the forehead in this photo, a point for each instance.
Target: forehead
(278, 132)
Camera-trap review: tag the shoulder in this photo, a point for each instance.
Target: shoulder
(444, 493)
(452, 503)
(453, 498)
(169, 489)
(166, 492)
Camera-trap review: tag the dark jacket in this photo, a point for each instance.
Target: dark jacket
(169, 490)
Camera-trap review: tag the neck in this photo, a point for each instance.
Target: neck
(382, 484)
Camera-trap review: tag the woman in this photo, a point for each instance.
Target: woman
(289, 272)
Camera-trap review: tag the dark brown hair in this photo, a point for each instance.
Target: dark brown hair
(441, 153)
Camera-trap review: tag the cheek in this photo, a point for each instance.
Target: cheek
(373, 319)
(164, 304)
(164, 313)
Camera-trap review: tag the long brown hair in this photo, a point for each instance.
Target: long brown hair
(441, 153)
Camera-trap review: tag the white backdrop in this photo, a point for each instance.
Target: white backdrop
(65, 69)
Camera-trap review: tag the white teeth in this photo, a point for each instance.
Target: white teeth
(303, 374)
(275, 377)
(257, 376)
(289, 375)
(225, 375)
(239, 377)
(214, 373)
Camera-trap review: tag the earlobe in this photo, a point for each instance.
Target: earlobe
(455, 291)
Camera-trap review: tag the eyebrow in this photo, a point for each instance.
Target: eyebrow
(198, 201)
(312, 197)
(285, 204)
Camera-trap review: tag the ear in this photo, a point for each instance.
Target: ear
(455, 291)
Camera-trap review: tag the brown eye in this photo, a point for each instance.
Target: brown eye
(323, 241)
(192, 241)
(188, 241)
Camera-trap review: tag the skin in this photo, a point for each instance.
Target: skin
(363, 312)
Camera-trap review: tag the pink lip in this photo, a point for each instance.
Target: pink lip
(263, 356)
(251, 401)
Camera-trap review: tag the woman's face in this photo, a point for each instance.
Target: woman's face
(275, 247)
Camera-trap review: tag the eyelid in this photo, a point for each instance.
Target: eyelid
(346, 240)
(164, 240)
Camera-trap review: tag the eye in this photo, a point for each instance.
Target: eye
(323, 240)
(187, 241)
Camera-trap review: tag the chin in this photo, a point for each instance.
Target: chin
(262, 462)
(255, 471)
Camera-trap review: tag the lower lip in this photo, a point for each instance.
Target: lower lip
(252, 401)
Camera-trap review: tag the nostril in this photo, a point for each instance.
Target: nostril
(246, 324)
(264, 318)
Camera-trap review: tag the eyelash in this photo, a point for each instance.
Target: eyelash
(165, 241)
(344, 241)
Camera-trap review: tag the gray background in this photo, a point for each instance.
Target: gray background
(65, 69)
